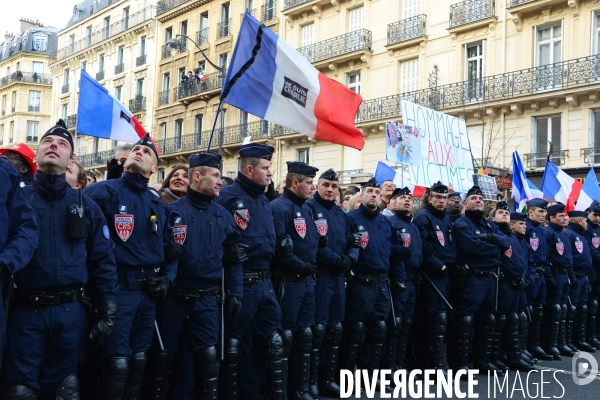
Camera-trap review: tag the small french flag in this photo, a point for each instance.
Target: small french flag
(558, 186)
(100, 114)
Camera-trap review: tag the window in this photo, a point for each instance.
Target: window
(88, 36)
(71, 44)
(409, 76)
(474, 70)
(40, 42)
(166, 81)
(243, 125)
(139, 86)
(83, 65)
(222, 62)
(201, 65)
(33, 129)
(14, 101)
(302, 155)
(198, 119)
(547, 130)
(353, 81)
(224, 25)
(118, 92)
(410, 8)
(18, 65)
(163, 130)
(250, 5)
(183, 27)
(120, 54)
(1, 134)
(125, 21)
(77, 12)
(168, 34)
(11, 132)
(355, 17)
(548, 51)
(160, 175)
(3, 104)
(105, 28)
(37, 67)
(595, 136)
(307, 35)
(269, 10)
(101, 63)
(177, 134)
(596, 32)
(66, 77)
(35, 98)
(143, 46)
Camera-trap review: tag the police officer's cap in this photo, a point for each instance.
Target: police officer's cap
(556, 208)
(575, 214)
(401, 192)
(595, 207)
(475, 190)
(517, 216)
(539, 203)
(502, 206)
(439, 187)
(330, 175)
(454, 194)
(146, 141)
(60, 129)
(371, 183)
(212, 160)
(256, 150)
(297, 167)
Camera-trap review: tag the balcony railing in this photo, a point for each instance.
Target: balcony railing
(163, 97)
(538, 160)
(591, 155)
(26, 77)
(406, 29)
(99, 75)
(106, 33)
(268, 11)
(141, 60)
(165, 5)
(33, 108)
(350, 42)
(165, 52)
(194, 88)
(119, 68)
(293, 3)
(223, 28)
(71, 121)
(514, 3)
(469, 11)
(101, 157)
(65, 89)
(138, 104)
(568, 74)
(202, 36)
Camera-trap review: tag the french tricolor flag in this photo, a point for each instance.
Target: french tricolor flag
(270, 79)
(558, 186)
(590, 191)
(100, 114)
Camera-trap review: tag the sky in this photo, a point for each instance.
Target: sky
(49, 12)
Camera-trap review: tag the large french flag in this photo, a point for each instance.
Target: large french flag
(270, 79)
(557, 185)
(590, 191)
(101, 115)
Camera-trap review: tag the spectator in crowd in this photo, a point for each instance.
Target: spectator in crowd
(347, 195)
(91, 179)
(390, 208)
(226, 180)
(281, 187)
(354, 202)
(21, 157)
(115, 166)
(175, 184)
(76, 175)
(387, 188)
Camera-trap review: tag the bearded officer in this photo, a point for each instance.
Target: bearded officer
(139, 228)
(333, 261)
(296, 272)
(47, 326)
(260, 314)
(592, 235)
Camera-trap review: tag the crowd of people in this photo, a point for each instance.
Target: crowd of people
(194, 289)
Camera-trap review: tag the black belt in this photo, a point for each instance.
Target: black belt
(191, 295)
(481, 272)
(295, 277)
(254, 277)
(561, 270)
(368, 279)
(579, 274)
(50, 298)
(140, 284)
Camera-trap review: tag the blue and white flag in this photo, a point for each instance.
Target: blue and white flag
(522, 189)
(589, 192)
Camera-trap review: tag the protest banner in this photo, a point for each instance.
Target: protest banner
(402, 143)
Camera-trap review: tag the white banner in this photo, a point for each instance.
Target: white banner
(402, 143)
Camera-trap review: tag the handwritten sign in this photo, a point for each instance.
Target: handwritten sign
(445, 151)
(402, 143)
(488, 186)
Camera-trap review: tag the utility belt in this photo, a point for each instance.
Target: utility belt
(255, 277)
(368, 279)
(191, 295)
(295, 277)
(482, 272)
(560, 270)
(580, 274)
(44, 298)
(140, 284)
(414, 278)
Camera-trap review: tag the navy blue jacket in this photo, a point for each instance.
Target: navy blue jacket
(335, 224)
(592, 235)
(378, 235)
(61, 263)
(580, 248)
(293, 217)
(138, 251)
(431, 221)
(535, 235)
(409, 235)
(473, 251)
(18, 226)
(556, 239)
(204, 226)
(515, 260)
(251, 210)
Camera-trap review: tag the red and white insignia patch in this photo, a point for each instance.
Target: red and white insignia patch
(364, 239)
(596, 241)
(179, 233)
(440, 237)
(560, 248)
(321, 224)
(405, 236)
(124, 225)
(508, 253)
(534, 243)
(579, 246)
(242, 217)
(300, 225)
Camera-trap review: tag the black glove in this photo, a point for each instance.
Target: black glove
(574, 284)
(308, 270)
(114, 170)
(353, 240)
(106, 312)
(233, 306)
(158, 287)
(172, 252)
(235, 254)
(345, 264)
(539, 270)
(271, 194)
(401, 252)
(551, 284)
(4, 272)
(285, 248)
(486, 237)
(427, 248)
(518, 284)
(500, 276)
(398, 287)
(322, 241)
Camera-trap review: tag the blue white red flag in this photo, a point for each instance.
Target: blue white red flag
(559, 186)
(589, 192)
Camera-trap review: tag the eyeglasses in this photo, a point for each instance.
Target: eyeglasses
(440, 197)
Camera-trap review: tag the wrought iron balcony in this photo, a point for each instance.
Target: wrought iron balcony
(163, 97)
(591, 155)
(141, 60)
(538, 160)
(32, 139)
(165, 52)
(293, 3)
(65, 89)
(26, 77)
(71, 121)
(98, 158)
(209, 83)
(181, 143)
(165, 5)
(33, 108)
(470, 11)
(202, 36)
(406, 29)
(568, 74)
(347, 43)
(119, 68)
(223, 28)
(268, 11)
(99, 75)
(515, 3)
(138, 104)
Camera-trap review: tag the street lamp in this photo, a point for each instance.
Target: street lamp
(174, 43)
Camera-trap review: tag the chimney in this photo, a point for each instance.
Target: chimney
(27, 23)
(8, 35)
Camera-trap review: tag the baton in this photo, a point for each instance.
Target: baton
(528, 314)
(497, 286)
(160, 342)
(437, 291)
(392, 305)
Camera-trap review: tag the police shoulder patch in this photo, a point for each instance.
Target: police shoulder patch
(105, 232)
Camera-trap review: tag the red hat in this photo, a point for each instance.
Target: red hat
(24, 151)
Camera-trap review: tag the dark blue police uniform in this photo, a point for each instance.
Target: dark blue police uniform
(592, 235)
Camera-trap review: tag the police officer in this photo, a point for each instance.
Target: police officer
(245, 200)
(578, 294)
(592, 235)
(333, 261)
(513, 272)
(295, 272)
(559, 272)
(439, 255)
(139, 229)
(368, 298)
(536, 293)
(479, 245)
(47, 326)
(399, 324)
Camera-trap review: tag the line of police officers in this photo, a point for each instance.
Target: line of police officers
(223, 294)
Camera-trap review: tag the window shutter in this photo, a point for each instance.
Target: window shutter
(409, 76)
(410, 8)
(356, 19)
